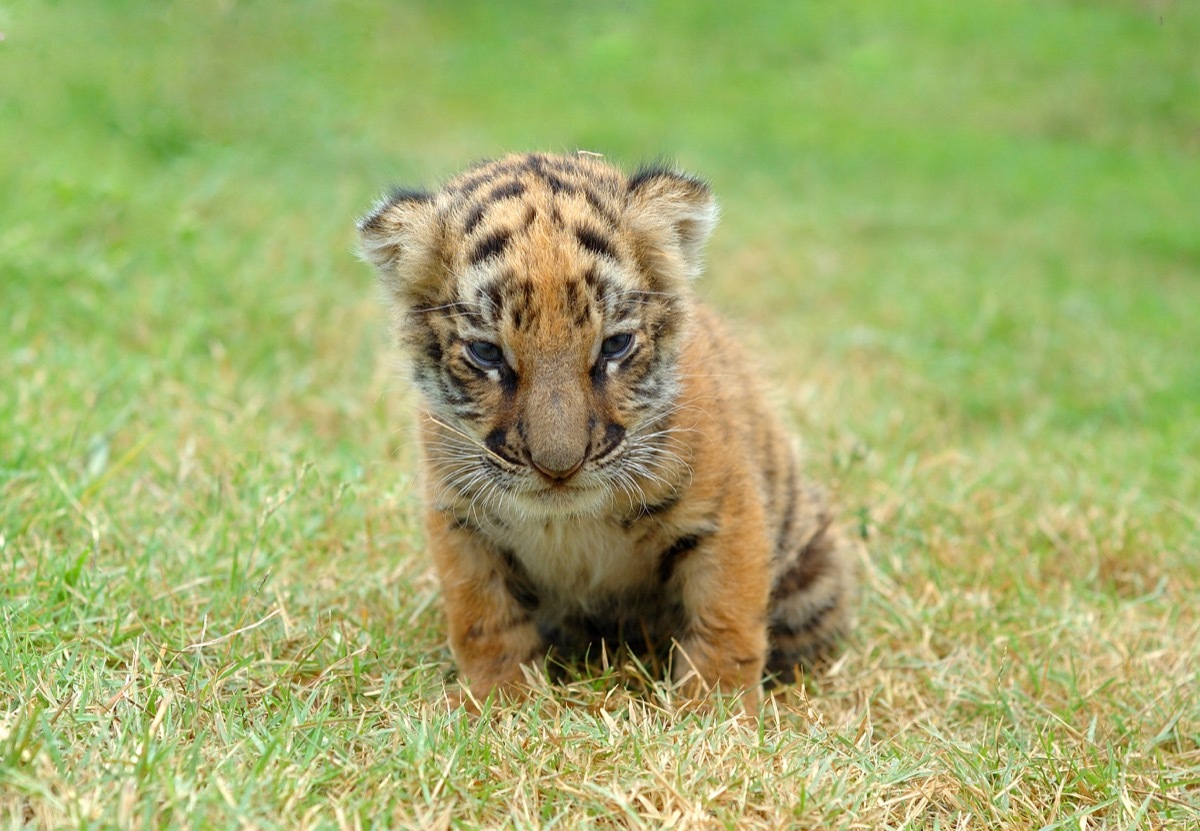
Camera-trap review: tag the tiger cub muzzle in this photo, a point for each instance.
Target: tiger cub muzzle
(558, 432)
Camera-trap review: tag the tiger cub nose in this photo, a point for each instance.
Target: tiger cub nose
(557, 470)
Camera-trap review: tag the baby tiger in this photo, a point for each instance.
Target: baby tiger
(598, 462)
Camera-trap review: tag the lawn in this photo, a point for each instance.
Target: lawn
(962, 239)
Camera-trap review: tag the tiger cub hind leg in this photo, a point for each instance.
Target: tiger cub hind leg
(811, 605)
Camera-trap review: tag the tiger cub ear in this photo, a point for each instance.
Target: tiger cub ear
(401, 237)
(671, 215)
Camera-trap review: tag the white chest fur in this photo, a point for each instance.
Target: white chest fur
(578, 559)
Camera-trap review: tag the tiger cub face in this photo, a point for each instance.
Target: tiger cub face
(543, 300)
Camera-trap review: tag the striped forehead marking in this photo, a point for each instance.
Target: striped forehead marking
(485, 187)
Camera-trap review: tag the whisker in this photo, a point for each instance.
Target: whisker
(454, 304)
(455, 430)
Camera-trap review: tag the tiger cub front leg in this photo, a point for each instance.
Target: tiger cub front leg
(491, 634)
(725, 590)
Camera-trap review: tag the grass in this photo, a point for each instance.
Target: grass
(962, 240)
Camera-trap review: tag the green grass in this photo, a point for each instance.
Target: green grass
(963, 239)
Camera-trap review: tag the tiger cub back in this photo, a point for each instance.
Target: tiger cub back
(599, 464)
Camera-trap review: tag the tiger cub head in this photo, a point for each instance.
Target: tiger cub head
(543, 299)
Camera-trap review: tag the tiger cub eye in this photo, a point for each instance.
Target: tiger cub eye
(615, 346)
(486, 354)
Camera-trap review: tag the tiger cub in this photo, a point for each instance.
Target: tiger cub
(598, 462)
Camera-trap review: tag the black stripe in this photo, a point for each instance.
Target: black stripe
(658, 170)
(664, 505)
(572, 292)
(432, 348)
(475, 317)
(452, 371)
(496, 442)
(528, 307)
(600, 286)
(395, 196)
(524, 593)
(625, 305)
(810, 562)
(647, 386)
(478, 175)
(490, 246)
(606, 213)
(495, 297)
(814, 619)
(473, 183)
(595, 243)
(613, 434)
(670, 559)
(651, 511)
(473, 219)
(518, 582)
(639, 407)
(455, 396)
(563, 164)
(455, 392)
(505, 191)
(459, 523)
(508, 380)
(425, 376)
(599, 374)
(557, 185)
(648, 172)
(403, 194)
(789, 509)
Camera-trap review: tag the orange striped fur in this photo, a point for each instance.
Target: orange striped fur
(599, 463)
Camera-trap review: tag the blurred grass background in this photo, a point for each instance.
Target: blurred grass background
(963, 238)
(1000, 200)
